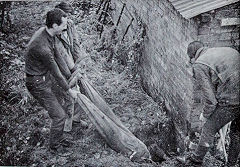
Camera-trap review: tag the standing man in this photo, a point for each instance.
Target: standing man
(40, 65)
(217, 82)
(73, 51)
(69, 54)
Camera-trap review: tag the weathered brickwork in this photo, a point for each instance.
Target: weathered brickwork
(212, 33)
(164, 68)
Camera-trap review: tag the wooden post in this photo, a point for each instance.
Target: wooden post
(105, 15)
(120, 14)
(99, 7)
(104, 6)
(2, 15)
(127, 28)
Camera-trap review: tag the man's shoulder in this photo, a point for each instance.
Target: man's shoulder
(219, 54)
(222, 50)
(39, 40)
(36, 36)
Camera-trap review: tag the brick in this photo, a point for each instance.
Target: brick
(229, 36)
(230, 21)
(229, 13)
(209, 38)
(221, 43)
(204, 30)
(225, 29)
(213, 34)
(215, 23)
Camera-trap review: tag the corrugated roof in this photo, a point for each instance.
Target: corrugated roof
(191, 8)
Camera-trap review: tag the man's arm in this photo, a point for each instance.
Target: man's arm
(204, 88)
(47, 57)
(35, 35)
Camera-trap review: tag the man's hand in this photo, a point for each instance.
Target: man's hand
(74, 78)
(73, 93)
(202, 118)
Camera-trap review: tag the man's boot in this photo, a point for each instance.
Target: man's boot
(195, 158)
(60, 150)
(57, 145)
(234, 147)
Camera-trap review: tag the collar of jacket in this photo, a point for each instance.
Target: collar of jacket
(199, 52)
(63, 38)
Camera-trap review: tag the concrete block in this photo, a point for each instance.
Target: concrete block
(230, 21)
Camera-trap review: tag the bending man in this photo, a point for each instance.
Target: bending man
(216, 73)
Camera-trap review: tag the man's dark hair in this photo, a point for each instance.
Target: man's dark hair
(55, 16)
(66, 7)
(193, 47)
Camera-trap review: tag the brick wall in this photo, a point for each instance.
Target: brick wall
(212, 33)
(164, 68)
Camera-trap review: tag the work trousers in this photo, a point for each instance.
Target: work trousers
(234, 147)
(40, 88)
(220, 117)
(67, 102)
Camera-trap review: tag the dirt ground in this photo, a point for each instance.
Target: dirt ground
(25, 124)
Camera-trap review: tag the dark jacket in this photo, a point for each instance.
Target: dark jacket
(39, 59)
(68, 48)
(73, 43)
(217, 77)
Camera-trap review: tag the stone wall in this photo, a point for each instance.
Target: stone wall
(164, 66)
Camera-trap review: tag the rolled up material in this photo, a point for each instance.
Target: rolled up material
(118, 137)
